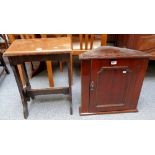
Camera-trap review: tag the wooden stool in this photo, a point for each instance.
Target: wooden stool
(27, 50)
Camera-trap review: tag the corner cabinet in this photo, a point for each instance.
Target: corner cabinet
(111, 80)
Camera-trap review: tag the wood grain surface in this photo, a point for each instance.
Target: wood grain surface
(106, 52)
(39, 46)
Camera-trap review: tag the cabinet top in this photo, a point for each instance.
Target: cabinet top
(110, 52)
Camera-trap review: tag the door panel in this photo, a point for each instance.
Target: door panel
(110, 88)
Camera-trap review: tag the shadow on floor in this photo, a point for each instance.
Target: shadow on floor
(151, 69)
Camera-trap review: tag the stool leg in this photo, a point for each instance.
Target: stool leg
(50, 73)
(71, 108)
(4, 65)
(6, 70)
(60, 65)
(31, 70)
(70, 86)
(71, 63)
(21, 91)
(26, 79)
(21, 74)
(25, 109)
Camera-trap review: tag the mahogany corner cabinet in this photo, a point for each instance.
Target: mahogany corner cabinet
(111, 80)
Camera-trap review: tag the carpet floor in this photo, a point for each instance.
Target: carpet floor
(56, 107)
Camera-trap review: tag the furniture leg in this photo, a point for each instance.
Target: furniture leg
(21, 74)
(39, 68)
(50, 73)
(4, 65)
(21, 90)
(71, 63)
(31, 70)
(60, 65)
(28, 86)
(70, 86)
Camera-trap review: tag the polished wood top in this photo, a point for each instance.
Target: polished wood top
(41, 46)
(110, 52)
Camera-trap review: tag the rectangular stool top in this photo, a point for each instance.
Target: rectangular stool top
(40, 46)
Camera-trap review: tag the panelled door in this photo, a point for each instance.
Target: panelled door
(109, 86)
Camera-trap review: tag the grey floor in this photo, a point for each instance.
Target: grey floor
(57, 106)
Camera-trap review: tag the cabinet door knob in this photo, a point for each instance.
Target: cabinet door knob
(113, 62)
(124, 72)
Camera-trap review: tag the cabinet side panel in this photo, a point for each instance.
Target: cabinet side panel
(139, 82)
(85, 80)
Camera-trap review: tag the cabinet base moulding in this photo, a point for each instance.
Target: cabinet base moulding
(106, 112)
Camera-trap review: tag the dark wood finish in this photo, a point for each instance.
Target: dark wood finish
(60, 90)
(142, 42)
(26, 79)
(32, 46)
(5, 44)
(112, 38)
(109, 52)
(70, 83)
(22, 51)
(23, 94)
(3, 47)
(85, 83)
(111, 80)
(2, 63)
(33, 70)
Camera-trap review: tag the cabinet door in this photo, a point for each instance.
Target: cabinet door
(109, 87)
